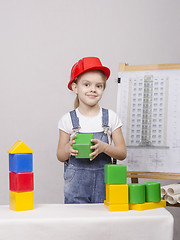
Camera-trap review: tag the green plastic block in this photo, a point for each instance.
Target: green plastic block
(153, 191)
(115, 174)
(83, 144)
(136, 193)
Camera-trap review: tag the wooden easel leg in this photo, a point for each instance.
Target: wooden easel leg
(134, 180)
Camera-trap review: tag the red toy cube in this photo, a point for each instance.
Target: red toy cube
(21, 182)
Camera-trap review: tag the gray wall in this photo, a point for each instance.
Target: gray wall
(39, 42)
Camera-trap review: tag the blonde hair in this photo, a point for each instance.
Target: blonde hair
(76, 101)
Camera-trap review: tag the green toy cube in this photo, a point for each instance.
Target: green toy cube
(115, 174)
(83, 144)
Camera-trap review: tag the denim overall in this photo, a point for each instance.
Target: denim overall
(84, 179)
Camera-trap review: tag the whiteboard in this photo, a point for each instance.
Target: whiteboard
(148, 103)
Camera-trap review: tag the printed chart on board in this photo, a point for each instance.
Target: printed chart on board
(148, 104)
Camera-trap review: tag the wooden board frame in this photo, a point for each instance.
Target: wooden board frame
(124, 67)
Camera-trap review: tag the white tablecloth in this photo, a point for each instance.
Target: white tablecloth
(86, 221)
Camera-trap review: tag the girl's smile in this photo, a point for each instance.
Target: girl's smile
(91, 96)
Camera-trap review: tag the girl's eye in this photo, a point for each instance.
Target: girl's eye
(99, 86)
(86, 84)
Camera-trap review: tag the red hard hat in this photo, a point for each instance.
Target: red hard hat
(87, 64)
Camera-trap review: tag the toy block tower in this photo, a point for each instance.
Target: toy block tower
(83, 144)
(117, 196)
(21, 178)
(135, 196)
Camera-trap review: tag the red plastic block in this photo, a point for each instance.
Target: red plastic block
(21, 182)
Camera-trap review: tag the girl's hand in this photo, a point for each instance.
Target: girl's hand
(69, 148)
(98, 147)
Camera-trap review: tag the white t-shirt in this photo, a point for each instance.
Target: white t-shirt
(90, 124)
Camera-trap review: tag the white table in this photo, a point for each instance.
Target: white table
(86, 221)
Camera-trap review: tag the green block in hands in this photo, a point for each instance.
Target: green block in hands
(115, 174)
(83, 144)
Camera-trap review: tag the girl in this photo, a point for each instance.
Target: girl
(84, 178)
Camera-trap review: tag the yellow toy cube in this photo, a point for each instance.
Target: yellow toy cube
(20, 201)
(117, 194)
(116, 207)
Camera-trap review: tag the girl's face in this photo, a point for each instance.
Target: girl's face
(89, 87)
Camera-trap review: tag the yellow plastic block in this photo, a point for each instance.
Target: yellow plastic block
(117, 193)
(116, 207)
(147, 205)
(19, 147)
(20, 201)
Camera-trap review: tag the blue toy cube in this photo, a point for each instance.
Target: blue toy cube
(21, 162)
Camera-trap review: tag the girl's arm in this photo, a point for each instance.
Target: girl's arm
(64, 149)
(118, 151)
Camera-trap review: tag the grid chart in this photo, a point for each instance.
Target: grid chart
(148, 104)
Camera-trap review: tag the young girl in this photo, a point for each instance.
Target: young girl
(84, 178)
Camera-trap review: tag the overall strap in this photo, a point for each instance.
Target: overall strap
(105, 124)
(105, 117)
(105, 120)
(75, 121)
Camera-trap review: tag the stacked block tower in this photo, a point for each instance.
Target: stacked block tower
(123, 197)
(117, 196)
(21, 178)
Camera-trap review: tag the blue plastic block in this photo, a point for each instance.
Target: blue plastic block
(21, 162)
